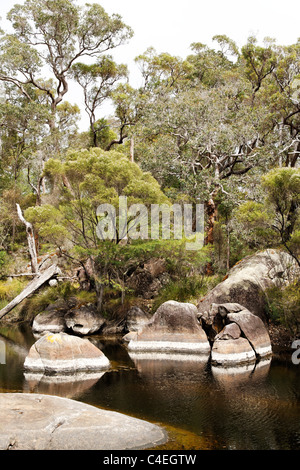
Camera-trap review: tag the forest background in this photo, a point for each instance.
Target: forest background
(218, 126)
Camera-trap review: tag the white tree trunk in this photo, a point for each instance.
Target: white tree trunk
(30, 240)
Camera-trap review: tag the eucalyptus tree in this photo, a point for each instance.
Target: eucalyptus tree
(129, 106)
(71, 220)
(228, 118)
(201, 139)
(162, 73)
(98, 82)
(54, 35)
(282, 187)
(273, 72)
(36, 58)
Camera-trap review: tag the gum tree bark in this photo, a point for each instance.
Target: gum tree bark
(30, 240)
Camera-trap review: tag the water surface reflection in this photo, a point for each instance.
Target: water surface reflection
(255, 407)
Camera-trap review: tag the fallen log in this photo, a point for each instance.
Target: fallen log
(31, 288)
(20, 275)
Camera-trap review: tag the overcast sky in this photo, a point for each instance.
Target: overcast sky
(172, 25)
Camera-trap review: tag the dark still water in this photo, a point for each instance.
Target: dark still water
(202, 407)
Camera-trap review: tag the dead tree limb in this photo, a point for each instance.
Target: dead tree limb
(30, 240)
(31, 288)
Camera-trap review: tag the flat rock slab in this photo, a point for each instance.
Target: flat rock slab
(44, 422)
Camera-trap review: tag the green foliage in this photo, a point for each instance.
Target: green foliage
(260, 61)
(98, 83)
(104, 133)
(274, 219)
(64, 32)
(255, 218)
(49, 223)
(188, 289)
(48, 295)
(94, 177)
(3, 260)
(282, 186)
(9, 290)
(179, 261)
(39, 302)
(284, 306)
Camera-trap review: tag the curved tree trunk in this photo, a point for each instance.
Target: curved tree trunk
(31, 241)
(211, 210)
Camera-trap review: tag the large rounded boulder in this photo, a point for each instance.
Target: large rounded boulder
(173, 328)
(84, 320)
(63, 353)
(232, 351)
(62, 316)
(243, 338)
(247, 282)
(52, 319)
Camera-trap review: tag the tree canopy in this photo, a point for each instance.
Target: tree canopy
(219, 127)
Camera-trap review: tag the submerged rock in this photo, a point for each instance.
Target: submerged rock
(71, 385)
(244, 337)
(174, 327)
(232, 377)
(232, 351)
(61, 352)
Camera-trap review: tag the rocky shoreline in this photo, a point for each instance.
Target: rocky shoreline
(229, 323)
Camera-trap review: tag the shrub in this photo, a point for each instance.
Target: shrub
(189, 289)
(284, 306)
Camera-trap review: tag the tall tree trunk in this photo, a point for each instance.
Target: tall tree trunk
(211, 210)
(228, 246)
(93, 130)
(100, 294)
(31, 241)
(132, 149)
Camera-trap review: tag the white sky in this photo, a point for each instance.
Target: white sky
(172, 25)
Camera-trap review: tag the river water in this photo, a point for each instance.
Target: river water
(201, 407)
